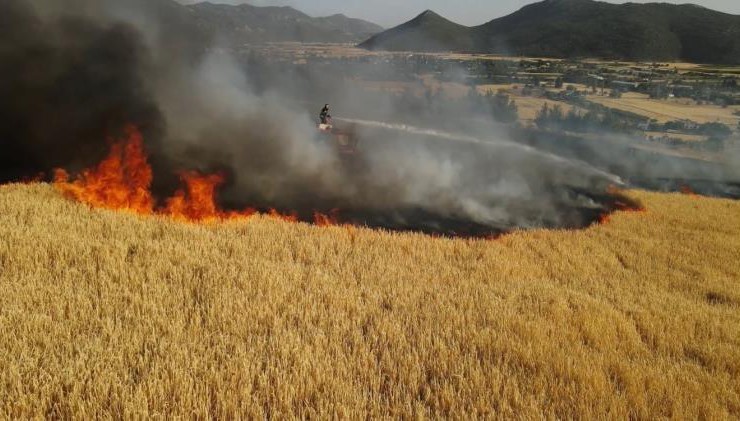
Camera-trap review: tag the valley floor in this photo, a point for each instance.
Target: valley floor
(109, 314)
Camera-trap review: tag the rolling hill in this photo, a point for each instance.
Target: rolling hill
(427, 32)
(183, 26)
(580, 28)
(245, 23)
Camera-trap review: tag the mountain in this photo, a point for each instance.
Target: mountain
(580, 28)
(245, 23)
(351, 25)
(427, 32)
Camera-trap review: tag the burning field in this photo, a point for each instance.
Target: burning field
(134, 124)
(123, 181)
(201, 249)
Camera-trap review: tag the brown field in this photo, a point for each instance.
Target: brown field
(106, 314)
(302, 50)
(351, 50)
(527, 106)
(670, 110)
(682, 67)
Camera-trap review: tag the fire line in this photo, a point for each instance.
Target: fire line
(122, 181)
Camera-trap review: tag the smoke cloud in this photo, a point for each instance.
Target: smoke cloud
(68, 83)
(77, 75)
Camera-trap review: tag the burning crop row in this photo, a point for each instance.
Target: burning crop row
(122, 181)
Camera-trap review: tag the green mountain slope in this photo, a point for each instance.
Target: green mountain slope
(582, 28)
(427, 32)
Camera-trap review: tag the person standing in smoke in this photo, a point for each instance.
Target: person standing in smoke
(324, 116)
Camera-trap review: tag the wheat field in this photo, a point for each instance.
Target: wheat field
(106, 314)
(670, 110)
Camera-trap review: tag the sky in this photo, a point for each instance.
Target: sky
(389, 13)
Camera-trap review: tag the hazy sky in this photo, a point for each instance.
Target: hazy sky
(469, 12)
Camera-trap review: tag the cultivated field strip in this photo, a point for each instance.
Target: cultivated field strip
(106, 314)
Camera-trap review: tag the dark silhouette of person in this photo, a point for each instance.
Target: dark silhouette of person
(324, 116)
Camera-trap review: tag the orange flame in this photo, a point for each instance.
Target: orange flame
(324, 220)
(121, 181)
(604, 218)
(289, 217)
(685, 189)
(619, 205)
(197, 201)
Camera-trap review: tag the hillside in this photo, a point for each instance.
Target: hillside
(351, 26)
(108, 314)
(200, 23)
(584, 28)
(248, 24)
(427, 32)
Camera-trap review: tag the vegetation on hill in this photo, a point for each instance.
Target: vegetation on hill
(581, 28)
(232, 24)
(245, 23)
(427, 32)
(107, 314)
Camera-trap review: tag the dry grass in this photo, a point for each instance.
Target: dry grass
(670, 110)
(527, 106)
(109, 314)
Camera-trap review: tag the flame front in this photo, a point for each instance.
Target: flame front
(121, 181)
(197, 201)
(685, 189)
(324, 220)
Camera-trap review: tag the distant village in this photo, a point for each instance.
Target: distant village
(575, 95)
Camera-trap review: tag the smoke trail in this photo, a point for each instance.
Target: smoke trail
(498, 143)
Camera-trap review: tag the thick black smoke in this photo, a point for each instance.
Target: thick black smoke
(68, 83)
